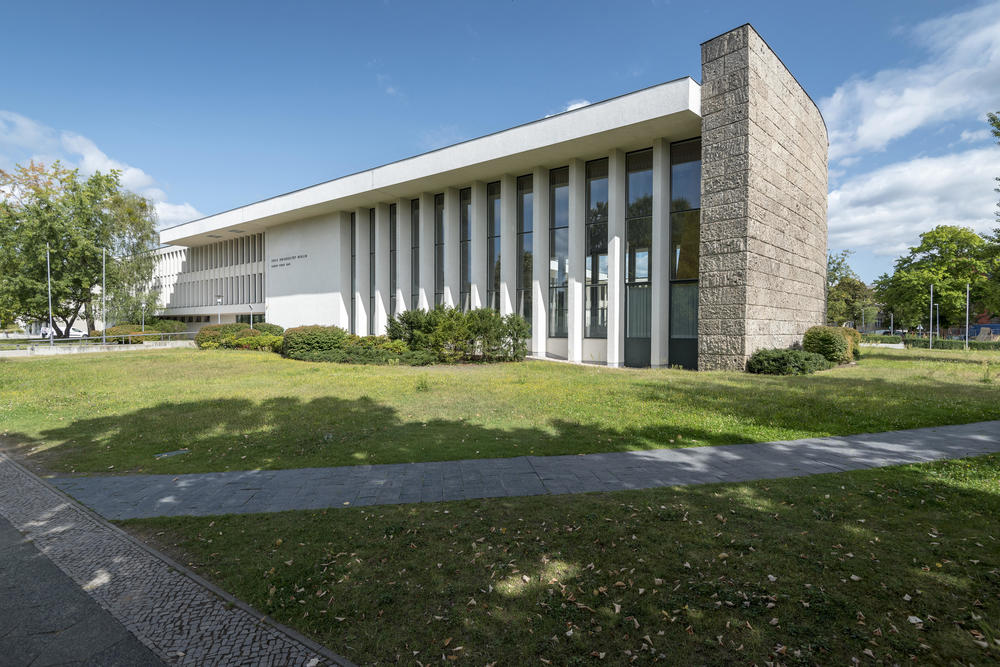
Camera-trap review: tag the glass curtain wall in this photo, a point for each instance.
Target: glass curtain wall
(638, 256)
(595, 313)
(414, 253)
(525, 222)
(493, 245)
(393, 305)
(354, 272)
(438, 250)
(558, 252)
(371, 271)
(465, 247)
(685, 237)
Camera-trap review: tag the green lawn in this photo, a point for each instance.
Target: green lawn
(892, 565)
(101, 413)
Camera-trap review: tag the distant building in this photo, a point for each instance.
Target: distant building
(681, 224)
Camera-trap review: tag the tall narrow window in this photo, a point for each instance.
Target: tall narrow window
(525, 222)
(371, 271)
(438, 250)
(595, 314)
(638, 253)
(393, 306)
(558, 252)
(354, 274)
(465, 247)
(685, 237)
(493, 245)
(414, 253)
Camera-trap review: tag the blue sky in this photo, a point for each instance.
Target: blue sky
(208, 106)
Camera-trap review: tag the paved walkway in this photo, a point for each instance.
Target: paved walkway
(136, 496)
(74, 588)
(46, 619)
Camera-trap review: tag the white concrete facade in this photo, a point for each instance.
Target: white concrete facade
(316, 245)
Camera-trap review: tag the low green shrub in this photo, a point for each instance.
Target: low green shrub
(853, 342)
(126, 334)
(167, 326)
(216, 332)
(948, 344)
(880, 338)
(830, 342)
(455, 336)
(255, 341)
(786, 362)
(268, 328)
(301, 341)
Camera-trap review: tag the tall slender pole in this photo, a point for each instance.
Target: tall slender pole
(104, 296)
(966, 316)
(892, 325)
(930, 322)
(48, 277)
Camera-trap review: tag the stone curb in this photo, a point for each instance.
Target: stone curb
(262, 619)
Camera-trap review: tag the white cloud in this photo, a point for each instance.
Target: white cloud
(976, 137)
(572, 105)
(959, 81)
(23, 139)
(385, 83)
(885, 210)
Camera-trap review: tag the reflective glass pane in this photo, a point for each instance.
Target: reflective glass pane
(597, 191)
(558, 308)
(596, 312)
(684, 244)
(639, 169)
(685, 175)
(638, 311)
(684, 310)
(639, 240)
(559, 257)
(525, 204)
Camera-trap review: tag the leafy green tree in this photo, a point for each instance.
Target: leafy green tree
(75, 218)
(850, 300)
(837, 267)
(947, 257)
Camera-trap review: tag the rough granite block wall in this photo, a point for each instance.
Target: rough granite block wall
(763, 203)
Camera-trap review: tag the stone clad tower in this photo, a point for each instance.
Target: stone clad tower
(764, 199)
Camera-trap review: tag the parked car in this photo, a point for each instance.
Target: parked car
(77, 333)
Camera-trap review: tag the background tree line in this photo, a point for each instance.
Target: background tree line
(949, 257)
(78, 218)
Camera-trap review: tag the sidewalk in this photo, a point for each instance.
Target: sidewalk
(88, 593)
(139, 496)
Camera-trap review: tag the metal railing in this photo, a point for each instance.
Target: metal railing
(116, 339)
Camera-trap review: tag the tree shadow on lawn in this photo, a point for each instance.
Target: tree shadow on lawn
(286, 432)
(681, 571)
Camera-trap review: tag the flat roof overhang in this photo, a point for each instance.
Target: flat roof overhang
(628, 122)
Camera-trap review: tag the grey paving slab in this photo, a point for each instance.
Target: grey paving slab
(139, 496)
(76, 590)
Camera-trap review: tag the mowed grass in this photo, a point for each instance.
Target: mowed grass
(889, 566)
(110, 413)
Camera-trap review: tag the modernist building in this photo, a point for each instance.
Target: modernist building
(682, 224)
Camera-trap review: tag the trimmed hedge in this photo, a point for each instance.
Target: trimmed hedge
(319, 343)
(832, 343)
(854, 341)
(947, 344)
(268, 328)
(880, 338)
(167, 326)
(214, 333)
(301, 341)
(786, 362)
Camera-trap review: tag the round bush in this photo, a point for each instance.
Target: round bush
(853, 341)
(300, 342)
(786, 362)
(216, 332)
(830, 342)
(167, 326)
(270, 329)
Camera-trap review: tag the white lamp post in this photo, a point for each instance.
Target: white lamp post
(143, 306)
(218, 302)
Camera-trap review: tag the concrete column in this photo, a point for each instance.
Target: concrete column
(539, 261)
(477, 237)
(659, 346)
(508, 243)
(426, 251)
(382, 296)
(361, 267)
(403, 242)
(452, 250)
(342, 259)
(616, 258)
(577, 230)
